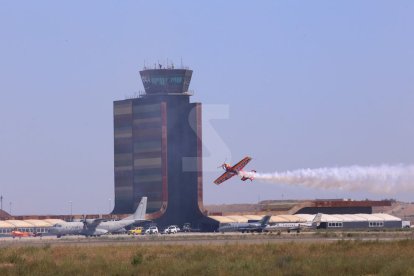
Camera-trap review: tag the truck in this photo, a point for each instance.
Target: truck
(152, 230)
(136, 231)
(172, 229)
(406, 224)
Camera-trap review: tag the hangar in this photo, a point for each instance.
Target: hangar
(360, 221)
(30, 225)
(339, 221)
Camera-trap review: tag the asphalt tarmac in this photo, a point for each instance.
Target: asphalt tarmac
(204, 238)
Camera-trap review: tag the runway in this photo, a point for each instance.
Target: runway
(204, 238)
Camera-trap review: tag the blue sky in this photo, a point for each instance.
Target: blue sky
(307, 84)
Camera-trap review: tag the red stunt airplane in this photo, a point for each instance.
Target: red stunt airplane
(234, 170)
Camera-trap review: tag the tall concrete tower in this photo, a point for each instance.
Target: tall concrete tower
(157, 143)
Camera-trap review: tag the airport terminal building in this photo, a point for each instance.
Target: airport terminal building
(158, 149)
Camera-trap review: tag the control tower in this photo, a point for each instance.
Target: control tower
(157, 144)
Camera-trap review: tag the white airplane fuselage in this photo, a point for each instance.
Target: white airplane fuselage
(289, 226)
(294, 226)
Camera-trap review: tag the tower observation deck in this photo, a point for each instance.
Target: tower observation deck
(166, 81)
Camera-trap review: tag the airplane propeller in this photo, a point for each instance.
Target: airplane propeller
(221, 166)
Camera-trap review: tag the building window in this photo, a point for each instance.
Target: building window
(335, 224)
(376, 224)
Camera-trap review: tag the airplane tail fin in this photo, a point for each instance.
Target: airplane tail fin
(317, 220)
(140, 212)
(264, 221)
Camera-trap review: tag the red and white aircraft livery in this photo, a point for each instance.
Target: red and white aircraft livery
(235, 170)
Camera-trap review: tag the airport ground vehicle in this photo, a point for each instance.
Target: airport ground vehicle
(19, 234)
(136, 231)
(406, 224)
(172, 229)
(152, 230)
(188, 228)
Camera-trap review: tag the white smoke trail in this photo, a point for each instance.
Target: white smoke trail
(384, 179)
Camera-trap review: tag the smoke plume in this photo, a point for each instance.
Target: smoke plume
(384, 179)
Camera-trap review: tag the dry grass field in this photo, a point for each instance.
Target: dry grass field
(308, 258)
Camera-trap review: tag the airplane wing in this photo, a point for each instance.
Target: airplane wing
(242, 163)
(223, 177)
(92, 224)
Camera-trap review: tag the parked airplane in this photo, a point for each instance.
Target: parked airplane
(98, 227)
(294, 226)
(234, 170)
(245, 226)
